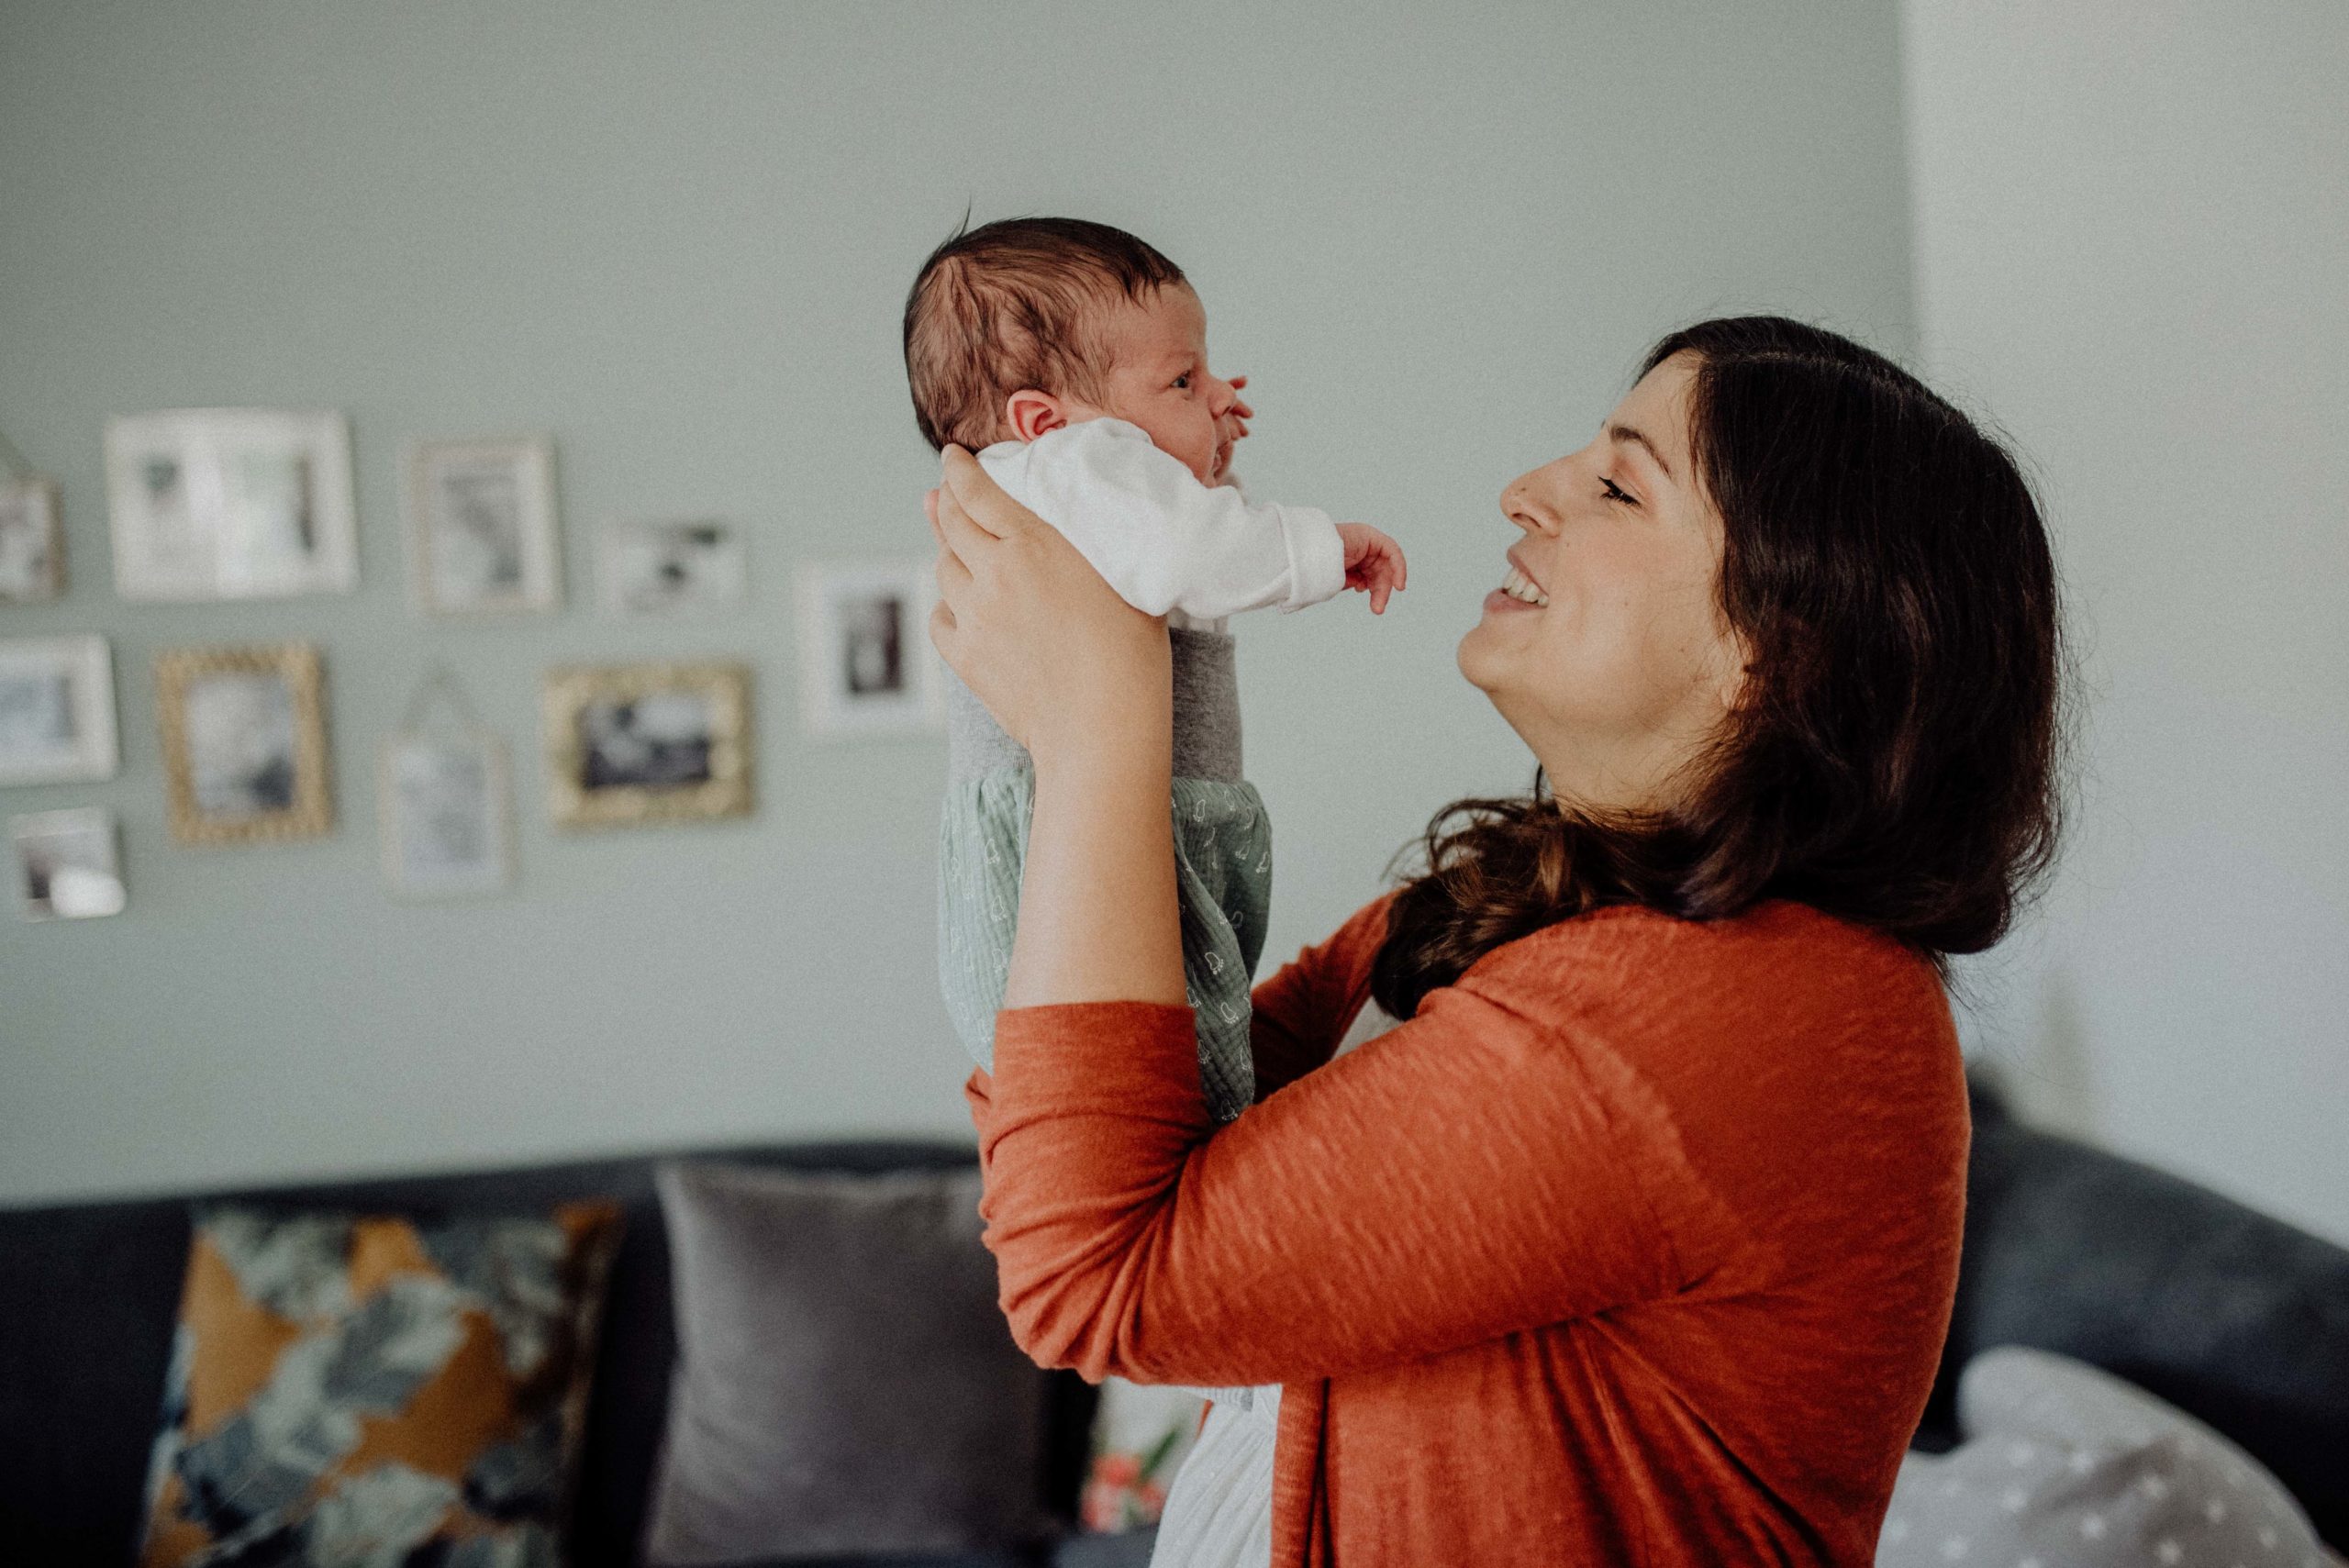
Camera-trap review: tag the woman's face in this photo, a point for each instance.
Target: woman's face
(1623, 670)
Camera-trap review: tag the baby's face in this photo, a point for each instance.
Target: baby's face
(1159, 380)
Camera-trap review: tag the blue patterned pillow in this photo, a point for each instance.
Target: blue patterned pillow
(352, 1388)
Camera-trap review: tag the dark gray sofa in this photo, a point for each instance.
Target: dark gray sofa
(2234, 1316)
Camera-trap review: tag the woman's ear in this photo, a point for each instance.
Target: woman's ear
(1030, 413)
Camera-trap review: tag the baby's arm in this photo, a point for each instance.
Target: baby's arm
(1165, 540)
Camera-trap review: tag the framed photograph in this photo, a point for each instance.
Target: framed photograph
(867, 666)
(244, 744)
(641, 743)
(69, 864)
(231, 504)
(663, 568)
(445, 798)
(481, 526)
(56, 710)
(32, 545)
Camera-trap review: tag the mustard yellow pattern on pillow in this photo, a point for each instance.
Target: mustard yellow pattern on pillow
(352, 1388)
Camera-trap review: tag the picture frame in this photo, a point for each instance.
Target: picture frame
(670, 567)
(482, 530)
(57, 710)
(32, 542)
(630, 745)
(244, 744)
(231, 504)
(68, 864)
(865, 662)
(445, 799)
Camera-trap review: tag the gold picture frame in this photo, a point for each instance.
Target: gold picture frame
(244, 744)
(628, 745)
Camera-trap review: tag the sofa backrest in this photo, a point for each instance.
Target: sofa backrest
(2231, 1316)
(88, 1295)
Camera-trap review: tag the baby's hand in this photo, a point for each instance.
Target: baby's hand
(1373, 563)
(1230, 430)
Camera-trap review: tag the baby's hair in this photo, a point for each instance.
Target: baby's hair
(1004, 308)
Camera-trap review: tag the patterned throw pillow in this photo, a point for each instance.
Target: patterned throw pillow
(356, 1389)
(1141, 1432)
(2067, 1466)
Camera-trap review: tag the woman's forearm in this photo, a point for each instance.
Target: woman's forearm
(1099, 919)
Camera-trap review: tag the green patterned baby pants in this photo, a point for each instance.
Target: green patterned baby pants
(1223, 868)
(1223, 862)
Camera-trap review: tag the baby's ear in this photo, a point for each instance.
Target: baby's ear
(1030, 413)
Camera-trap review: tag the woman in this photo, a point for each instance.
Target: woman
(1635, 1242)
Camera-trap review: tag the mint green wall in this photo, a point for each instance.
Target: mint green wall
(2132, 231)
(678, 236)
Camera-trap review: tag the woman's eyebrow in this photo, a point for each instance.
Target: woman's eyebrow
(1632, 437)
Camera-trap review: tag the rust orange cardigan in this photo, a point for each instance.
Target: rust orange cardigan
(1636, 1245)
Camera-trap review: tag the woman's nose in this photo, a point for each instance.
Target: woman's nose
(1519, 507)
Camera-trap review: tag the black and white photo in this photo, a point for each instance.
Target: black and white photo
(866, 665)
(69, 864)
(57, 723)
(648, 742)
(231, 504)
(481, 526)
(244, 744)
(32, 542)
(666, 568)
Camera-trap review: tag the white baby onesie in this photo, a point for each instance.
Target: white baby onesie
(1163, 541)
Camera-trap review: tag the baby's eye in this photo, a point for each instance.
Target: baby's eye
(1183, 380)
(1615, 492)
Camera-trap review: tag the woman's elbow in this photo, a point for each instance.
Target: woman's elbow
(1055, 1331)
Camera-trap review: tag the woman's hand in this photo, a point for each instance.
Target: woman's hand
(1064, 665)
(1085, 680)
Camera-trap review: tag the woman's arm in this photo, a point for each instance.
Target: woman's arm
(1468, 1174)
(1083, 681)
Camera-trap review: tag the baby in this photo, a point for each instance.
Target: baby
(1071, 358)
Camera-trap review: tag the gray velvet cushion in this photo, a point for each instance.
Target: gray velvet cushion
(845, 1380)
(2066, 1466)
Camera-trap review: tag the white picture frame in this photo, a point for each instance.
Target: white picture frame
(68, 864)
(447, 809)
(231, 504)
(867, 666)
(32, 542)
(671, 566)
(57, 710)
(482, 537)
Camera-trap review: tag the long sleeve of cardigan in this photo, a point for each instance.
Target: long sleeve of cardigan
(1469, 1173)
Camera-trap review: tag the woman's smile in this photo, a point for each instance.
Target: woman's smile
(1518, 591)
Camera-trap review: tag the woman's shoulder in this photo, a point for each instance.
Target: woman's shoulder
(1778, 1013)
(1791, 954)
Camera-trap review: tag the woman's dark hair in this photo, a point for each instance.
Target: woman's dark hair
(1893, 758)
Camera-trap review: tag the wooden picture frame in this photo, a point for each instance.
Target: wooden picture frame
(244, 744)
(628, 745)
